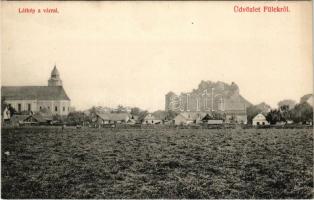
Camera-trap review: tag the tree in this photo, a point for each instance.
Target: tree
(120, 109)
(285, 112)
(170, 114)
(302, 112)
(92, 111)
(274, 116)
(218, 115)
(58, 118)
(135, 111)
(76, 118)
(251, 112)
(4, 105)
(264, 107)
(287, 102)
(160, 114)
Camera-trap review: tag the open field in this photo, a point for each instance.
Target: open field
(184, 163)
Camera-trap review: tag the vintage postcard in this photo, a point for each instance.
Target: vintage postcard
(156, 100)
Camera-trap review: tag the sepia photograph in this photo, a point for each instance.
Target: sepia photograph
(156, 100)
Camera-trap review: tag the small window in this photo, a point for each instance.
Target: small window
(40, 107)
(56, 108)
(48, 107)
(29, 107)
(63, 108)
(19, 107)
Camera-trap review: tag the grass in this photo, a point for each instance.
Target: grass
(105, 163)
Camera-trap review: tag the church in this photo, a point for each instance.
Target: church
(35, 98)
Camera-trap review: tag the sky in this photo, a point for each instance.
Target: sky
(133, 53)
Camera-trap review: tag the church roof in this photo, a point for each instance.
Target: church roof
(33, 93)
(55, 71)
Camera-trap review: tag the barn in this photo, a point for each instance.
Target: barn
(111, 118)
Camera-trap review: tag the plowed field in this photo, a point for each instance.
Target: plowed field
(170, 163)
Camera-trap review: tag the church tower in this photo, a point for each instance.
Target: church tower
(55, 78)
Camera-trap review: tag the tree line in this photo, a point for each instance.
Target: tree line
(287, 111)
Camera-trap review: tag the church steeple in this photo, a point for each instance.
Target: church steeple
(55, 78)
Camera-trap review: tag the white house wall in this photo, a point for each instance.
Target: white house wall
(52, 104)
(24, 104)
(35, 105)
(260, 121)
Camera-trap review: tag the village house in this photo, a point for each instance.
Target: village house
(236, 116)
(259, 119)
(111, 118)
(133, 119)
(37, 119)
(208, 119)
(151, 119)
(186, 118)
(16, 120)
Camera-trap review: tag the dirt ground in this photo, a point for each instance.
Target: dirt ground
(183, 163)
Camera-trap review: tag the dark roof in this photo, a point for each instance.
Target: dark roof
(33, 93)
(37, 117)
(42, 118)
(114, 116)
(159, 114)
(155, 116)
(17, 118)
(207, 117)
(235, 112)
